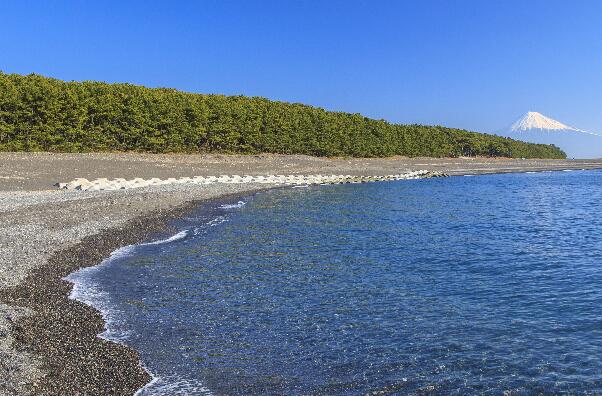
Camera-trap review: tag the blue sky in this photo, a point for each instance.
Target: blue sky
(470, 64)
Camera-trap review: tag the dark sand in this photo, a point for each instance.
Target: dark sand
(48, 343)
(63, 332)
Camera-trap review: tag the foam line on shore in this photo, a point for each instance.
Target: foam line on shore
(180, 235)
(237, 205)
(173, 386)
(89, 292)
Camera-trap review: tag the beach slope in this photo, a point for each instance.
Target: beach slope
(48, 343)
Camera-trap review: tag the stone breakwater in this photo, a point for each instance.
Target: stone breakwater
(82, 184)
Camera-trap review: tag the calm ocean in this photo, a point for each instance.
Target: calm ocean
(460, 285)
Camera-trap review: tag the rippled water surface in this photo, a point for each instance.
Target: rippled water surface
(446, 286)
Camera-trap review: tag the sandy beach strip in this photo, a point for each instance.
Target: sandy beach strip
(48, 343)
(38, 171)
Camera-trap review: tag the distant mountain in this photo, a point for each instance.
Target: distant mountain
(534, 127)
(535, 120)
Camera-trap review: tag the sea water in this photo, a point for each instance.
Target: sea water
(461, 285)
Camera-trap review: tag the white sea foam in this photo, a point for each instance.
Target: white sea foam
(145, 389)
(180, 235)
(217, 221)
(173, 385)
(86, 290)
(89, 292)
(237, 205)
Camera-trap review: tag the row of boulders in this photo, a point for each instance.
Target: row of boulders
(120, 184)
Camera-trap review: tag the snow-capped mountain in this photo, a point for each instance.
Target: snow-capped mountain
(535, 120)
(534, 127)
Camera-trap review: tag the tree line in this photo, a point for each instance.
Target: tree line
(45, 114)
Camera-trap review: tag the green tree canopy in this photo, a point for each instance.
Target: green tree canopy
(46, 114)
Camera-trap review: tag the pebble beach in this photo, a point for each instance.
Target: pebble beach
(49, 343)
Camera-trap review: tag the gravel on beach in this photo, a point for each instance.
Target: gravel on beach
(48, 343)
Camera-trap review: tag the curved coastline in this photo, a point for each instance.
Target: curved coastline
(63, 333)
(152, 378)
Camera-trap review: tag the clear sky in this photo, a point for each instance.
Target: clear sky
(470, 64)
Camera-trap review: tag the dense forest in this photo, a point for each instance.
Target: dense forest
(45, 114)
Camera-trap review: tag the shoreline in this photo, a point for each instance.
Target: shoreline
(48, 342)
(65, 332)
(61, 334)
(39, 171)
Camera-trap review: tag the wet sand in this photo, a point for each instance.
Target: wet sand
(48, 343)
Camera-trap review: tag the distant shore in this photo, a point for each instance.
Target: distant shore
(39, 171)
(48, 343)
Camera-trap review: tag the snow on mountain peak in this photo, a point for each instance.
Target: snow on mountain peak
(534, 127)
(535, 120)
